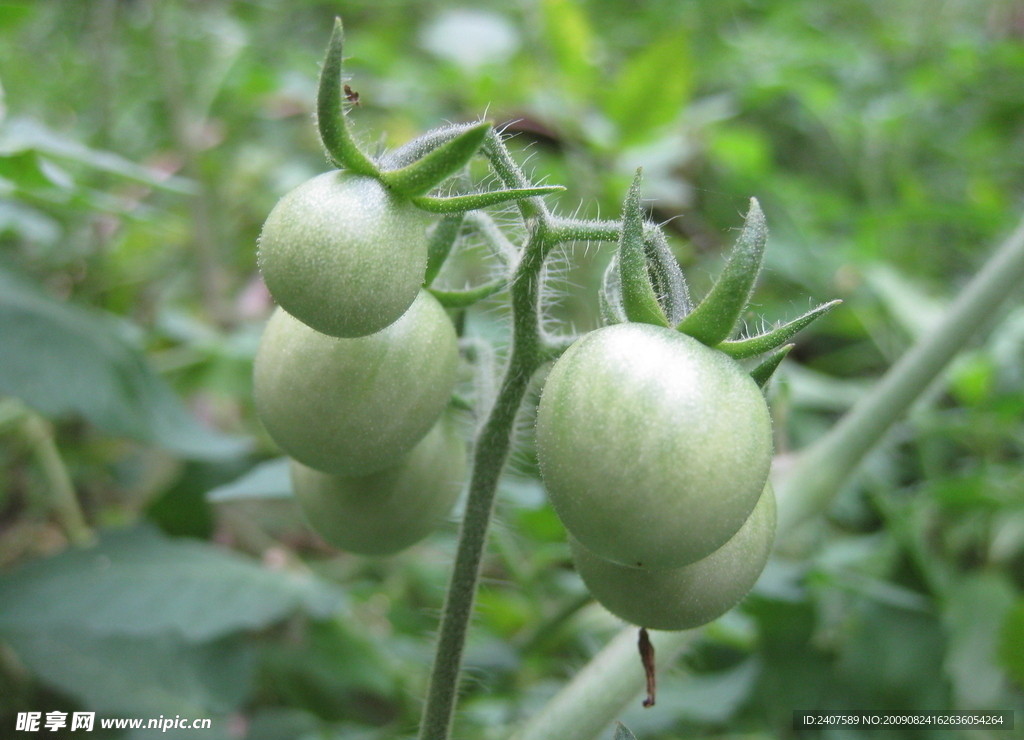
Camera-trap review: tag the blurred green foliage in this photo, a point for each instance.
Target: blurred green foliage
(141, 145)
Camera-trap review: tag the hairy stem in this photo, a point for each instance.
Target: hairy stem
(491, 452)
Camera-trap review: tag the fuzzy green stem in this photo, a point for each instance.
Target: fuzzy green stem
(588, 703)
(513, 178)
(491, 452)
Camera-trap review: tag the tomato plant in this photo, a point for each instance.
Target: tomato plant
(654, 448)
(352, 406)
(654, 442)
(386, 511)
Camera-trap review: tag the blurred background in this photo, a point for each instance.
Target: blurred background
(143, 142)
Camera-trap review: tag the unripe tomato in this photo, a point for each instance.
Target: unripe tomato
(686, 597)
(653, 447)
(387, 511)
(353, 406)
(344, 255)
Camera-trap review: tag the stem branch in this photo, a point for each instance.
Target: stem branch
(491, 452)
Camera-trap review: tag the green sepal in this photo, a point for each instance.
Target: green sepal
(666, 277)
(623, 733)
(639, 301)
(715, 318)
(422, 145)
(609, 298)
(467, 297)
(751, 346)
(446, 231)
(763, 372)
(439, 163)
(472, 201)
(331, 121)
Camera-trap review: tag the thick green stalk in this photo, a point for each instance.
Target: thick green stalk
(491, 452)
(612, 679)
(822, 468)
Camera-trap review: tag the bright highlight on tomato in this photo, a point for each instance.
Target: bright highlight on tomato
(353, 406)
(654, 448)
(344, 255)
(687, 597)
(387, 511)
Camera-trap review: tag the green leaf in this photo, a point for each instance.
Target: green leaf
(472, 201)
(139, 583)
(652, 87)
(717, 315)
(622, 732)
(639, 301)
(20, 136)
(442, 238)
(139, 676)
(439, 163)
(268, 480)
(752, 346)
(60, 359)
(571, 39)
(763, 372)
(331, 121)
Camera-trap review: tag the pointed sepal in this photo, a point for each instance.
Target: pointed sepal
(469, 296)
(716, 317)
(639, 301)
(609, 298)
(439, 163)
(331, 121)
(422, 145)
(443, 237)
(751, 346)
(666, 277)
(763, 372)
(472, 201)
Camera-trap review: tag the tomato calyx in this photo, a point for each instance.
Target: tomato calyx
(643, 284)
(420, 166)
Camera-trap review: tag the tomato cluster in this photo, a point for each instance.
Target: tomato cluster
(654, 450)
(357, 365)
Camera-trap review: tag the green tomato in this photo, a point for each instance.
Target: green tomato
(682, 598)
(343, 254)
(387, 511)
(354, 406)
(653, 447)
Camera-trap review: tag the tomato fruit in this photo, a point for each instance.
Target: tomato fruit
(343, 254)
(653, 447)
(353, 406)
(387, 511)
(686, 597)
